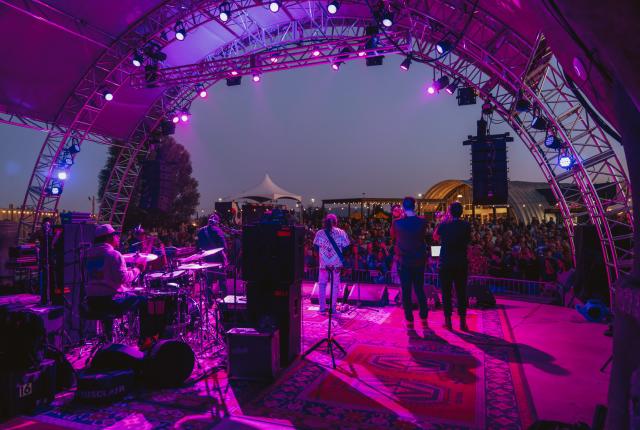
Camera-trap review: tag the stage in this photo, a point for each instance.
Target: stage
(519, 362)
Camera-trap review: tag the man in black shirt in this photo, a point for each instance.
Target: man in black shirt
(454, 235)
(209, 237)
(408, 234)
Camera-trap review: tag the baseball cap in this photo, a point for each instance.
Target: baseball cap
(105, 230)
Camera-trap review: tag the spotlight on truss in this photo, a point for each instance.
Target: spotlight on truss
(225, 11)
(406, 63)
(274, 6)
(553, 142)
(333, 7)
(566, 161)
(443, 47)
(441, 83)
(181, 31)
(137, 59)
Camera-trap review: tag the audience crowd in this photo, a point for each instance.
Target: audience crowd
(504, 248)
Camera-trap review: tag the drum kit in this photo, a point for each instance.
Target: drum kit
(177, 297)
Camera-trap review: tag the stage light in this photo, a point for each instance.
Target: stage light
(62, 175)
(225, 12)
(137, 59)
(256, 77)
(67, 160)
(406, 63)
(387, 19)
(181, 32)
(336, 66)
(431, 90)
(54, 189)
(74, 148)
(566, 161)
(443, 47)
(552, 142)
(108, 95)
(333, 7)
(522, 106)
(362, 53)
(234, 81)
(452, 87)
(539, 123)
(441, 83)
(184, 116)
(372, 43)
(203, 93)
(274, 6)
(234, 73)
(487, 108)
(175, 118)
(273, 59)
(151, 73)
(316, 53)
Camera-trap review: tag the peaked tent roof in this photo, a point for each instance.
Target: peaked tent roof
(267, 190)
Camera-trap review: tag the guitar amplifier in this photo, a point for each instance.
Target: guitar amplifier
(253, 355)
(23, 392)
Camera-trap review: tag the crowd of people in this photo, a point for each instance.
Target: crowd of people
(504, 248)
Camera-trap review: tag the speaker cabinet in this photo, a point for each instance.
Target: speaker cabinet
(272, 253)
(591, 274)
(253, 355)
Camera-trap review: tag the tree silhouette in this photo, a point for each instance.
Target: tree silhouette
(184, 196)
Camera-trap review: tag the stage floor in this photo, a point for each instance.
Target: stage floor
(519, 362)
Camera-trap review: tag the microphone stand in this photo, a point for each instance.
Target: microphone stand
(330, 340)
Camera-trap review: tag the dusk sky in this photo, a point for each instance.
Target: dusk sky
(318, 133)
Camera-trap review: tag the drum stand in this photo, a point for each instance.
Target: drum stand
(206, 328)
(330, 340)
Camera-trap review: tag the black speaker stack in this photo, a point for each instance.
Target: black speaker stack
(489, 170)
(590, 280)
(158, 185)
(273, 268)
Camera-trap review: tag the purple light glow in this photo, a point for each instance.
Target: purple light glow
(203, 94)
(184, 117)
(234, 73)
(335, 66)
(316, 53)
(274, 59)
(256, 78)
(362, 54)
(431, 90)
(175, 119)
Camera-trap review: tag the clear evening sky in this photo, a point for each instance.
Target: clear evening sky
(318, 133)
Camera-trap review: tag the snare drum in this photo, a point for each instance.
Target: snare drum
(167, 309)
(169, 281)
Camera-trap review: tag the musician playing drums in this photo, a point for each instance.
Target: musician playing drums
(107, 283)
(209, 237)
(145, 244)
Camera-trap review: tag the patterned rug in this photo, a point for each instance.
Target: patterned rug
(392, 377)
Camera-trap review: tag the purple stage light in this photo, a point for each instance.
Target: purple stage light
(335, 66)
(184, 117)
(181, 32)
(273, 59)
(256, 78)
(62, 175)
(225, 12)
(203, 94)
(274, 6)
(234, 73)
(333, 7)
(362, 54)
(175, 119)
(108, 95)
(316, 53)
(406, 63)
(431, 90)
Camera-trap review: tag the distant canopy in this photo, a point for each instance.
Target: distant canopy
(266, 191)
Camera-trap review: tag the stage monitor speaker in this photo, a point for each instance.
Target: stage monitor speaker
(369, 294)
(483, 296)
(590, 280)
(273, 253)
(343, 293)
(253, 355)
(278, 306)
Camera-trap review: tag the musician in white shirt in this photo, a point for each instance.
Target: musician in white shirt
(329, 258)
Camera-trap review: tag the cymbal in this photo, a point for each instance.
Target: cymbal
(199, 266)
(136, 258)
(200, 255)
